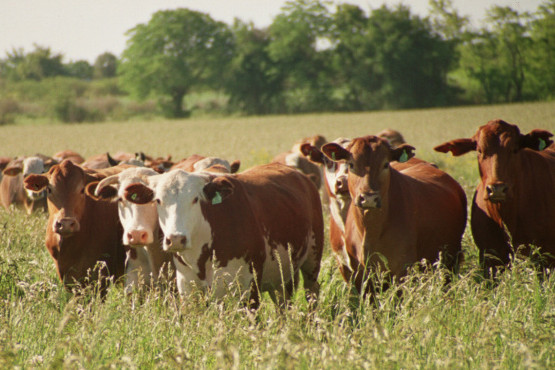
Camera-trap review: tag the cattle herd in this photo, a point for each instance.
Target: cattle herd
(201, 223)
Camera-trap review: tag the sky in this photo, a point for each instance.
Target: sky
(84, 29)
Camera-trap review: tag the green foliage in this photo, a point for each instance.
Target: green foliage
(255, 84)
(175, 52)
(295, 34)
(36, 65)
(541, 56)
(105, 66)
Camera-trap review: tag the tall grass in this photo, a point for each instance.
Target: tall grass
(469, 324)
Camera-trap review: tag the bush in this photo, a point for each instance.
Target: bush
(8, 109)
(68, 109)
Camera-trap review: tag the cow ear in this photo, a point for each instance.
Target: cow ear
(457, 146)
(218, 189)
(35, 183)
(138, 193)
(106, 193)
(234, 166)
(537, 140)
(336, 152)
(402, 153)
(312, 153)
(12, 171)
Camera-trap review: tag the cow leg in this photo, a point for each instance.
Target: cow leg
(491, 240)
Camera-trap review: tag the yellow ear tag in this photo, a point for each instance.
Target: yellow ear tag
(133, 196)
(542, 144)
(404, 157)
(217, 198)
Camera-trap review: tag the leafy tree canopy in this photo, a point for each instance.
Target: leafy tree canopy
(176, 51)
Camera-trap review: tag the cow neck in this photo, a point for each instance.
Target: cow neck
(338, 210)
(511, 213)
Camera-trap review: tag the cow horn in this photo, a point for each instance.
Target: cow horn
(114, 179)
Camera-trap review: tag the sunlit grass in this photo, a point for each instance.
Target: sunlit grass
(470, 323)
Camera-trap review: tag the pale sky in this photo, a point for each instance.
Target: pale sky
(84, 29)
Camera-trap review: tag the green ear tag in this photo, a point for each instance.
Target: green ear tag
(333, 156)
(542, 144)
(133, 196)
(404, 157)
(217, 198)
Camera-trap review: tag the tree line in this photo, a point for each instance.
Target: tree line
(318, 56)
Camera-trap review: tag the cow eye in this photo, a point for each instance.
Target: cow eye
(351, 165)
(386, 165)
(158, 201)
(195, 200)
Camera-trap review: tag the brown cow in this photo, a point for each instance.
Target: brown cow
(68, 154)
(294, 158)
(11, 186)
(146, 262)
(397, 217)
(80, 232)
(257, 228)
(514, 202)
(393, 137)
(196, 163)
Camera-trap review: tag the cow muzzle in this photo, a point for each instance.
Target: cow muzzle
(496, 192)
(175, 243)
(66, 226)
(35, 196)
(138, 237)
(341, 187)
(369, 200)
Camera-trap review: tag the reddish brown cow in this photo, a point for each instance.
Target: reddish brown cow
(256, 229)
(11, 186)
(68, 154)
(294, 158)
(80, 232)
(393, 137)
(397, 217)
(196, 163)
(514, 204)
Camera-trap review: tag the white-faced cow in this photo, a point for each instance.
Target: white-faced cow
(397, 217)
(514, 204)
(146, 262)
(11, 186)
(257, 228)
(80, 232)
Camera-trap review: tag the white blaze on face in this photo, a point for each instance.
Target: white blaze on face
(139, 221)
(33, 165)
(178, 196)
(334, 174)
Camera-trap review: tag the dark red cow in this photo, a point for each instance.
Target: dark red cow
(397, 217)
(80, 232)
(514, 204)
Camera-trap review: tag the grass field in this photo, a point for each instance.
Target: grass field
(470, 324)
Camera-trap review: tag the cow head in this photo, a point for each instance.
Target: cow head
(139, 221)
(498, 145)
(335, 173)
(65, 187)
(178, 196)
(368, 161)
(28, 166)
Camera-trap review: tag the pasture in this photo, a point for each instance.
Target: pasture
(469, 324)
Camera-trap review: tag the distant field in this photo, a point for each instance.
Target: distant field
(471, 324)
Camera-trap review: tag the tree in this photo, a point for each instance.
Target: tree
(79, 69)
(294, 46)
(255, 84)
(176, 51)
(541, 61)
(36, 65)
(351, 65)
(496, 55)
(105, 65)
(409, 62)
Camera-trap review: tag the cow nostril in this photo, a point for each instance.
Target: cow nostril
(489, 190)
(168, 242)
(184, 240)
